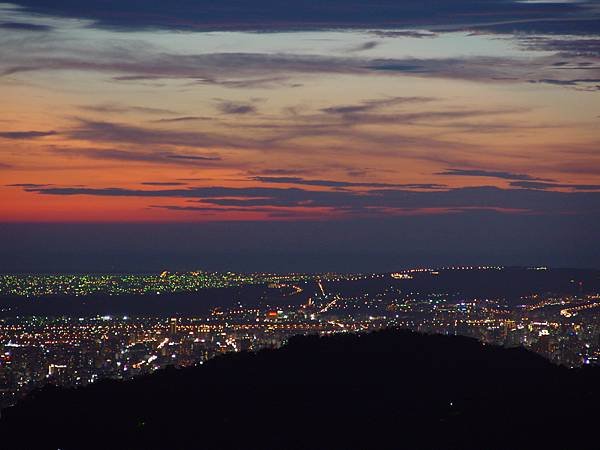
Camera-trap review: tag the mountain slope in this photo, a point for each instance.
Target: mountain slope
(389, 389)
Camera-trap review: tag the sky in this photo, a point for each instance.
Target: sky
(301, 135)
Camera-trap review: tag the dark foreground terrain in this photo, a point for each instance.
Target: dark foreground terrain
(389, 389)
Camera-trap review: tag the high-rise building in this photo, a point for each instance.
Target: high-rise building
(173, 326)
(55, 370)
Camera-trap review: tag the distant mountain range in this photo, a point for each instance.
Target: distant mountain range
(385, 390)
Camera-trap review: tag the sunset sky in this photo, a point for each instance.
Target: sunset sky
(401, 131)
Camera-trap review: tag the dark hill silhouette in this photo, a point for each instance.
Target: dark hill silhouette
(384, 390)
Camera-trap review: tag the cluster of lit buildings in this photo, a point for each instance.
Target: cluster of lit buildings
(75, 351)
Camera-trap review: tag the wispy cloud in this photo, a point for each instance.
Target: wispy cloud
(184, 119)
(26, 134)
(280, 172)
(267, 70)
(544, 185)
(24, 26)
(374, 104)
(98, 131)
(163, 183)
(369, 45)
(404, 34)
(344, 184)
(343, 125)
(229, 107)
(490, 174)
(144, 156)
(222, 209)
(567, 48)
(193, 157)
(27, 185)
(112, 108)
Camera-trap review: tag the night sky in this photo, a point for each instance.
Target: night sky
(301, 135)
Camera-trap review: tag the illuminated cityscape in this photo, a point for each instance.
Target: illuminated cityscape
(70, 350)
(163, 283)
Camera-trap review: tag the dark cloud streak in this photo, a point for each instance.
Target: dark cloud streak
(143, 156)
(236, 108)
(24, 26)
(272, 15)
(544, 185)
(111, 108)
(17, 135)
(526, 200)
(163, 183)
(490, 174)
(343, 184)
